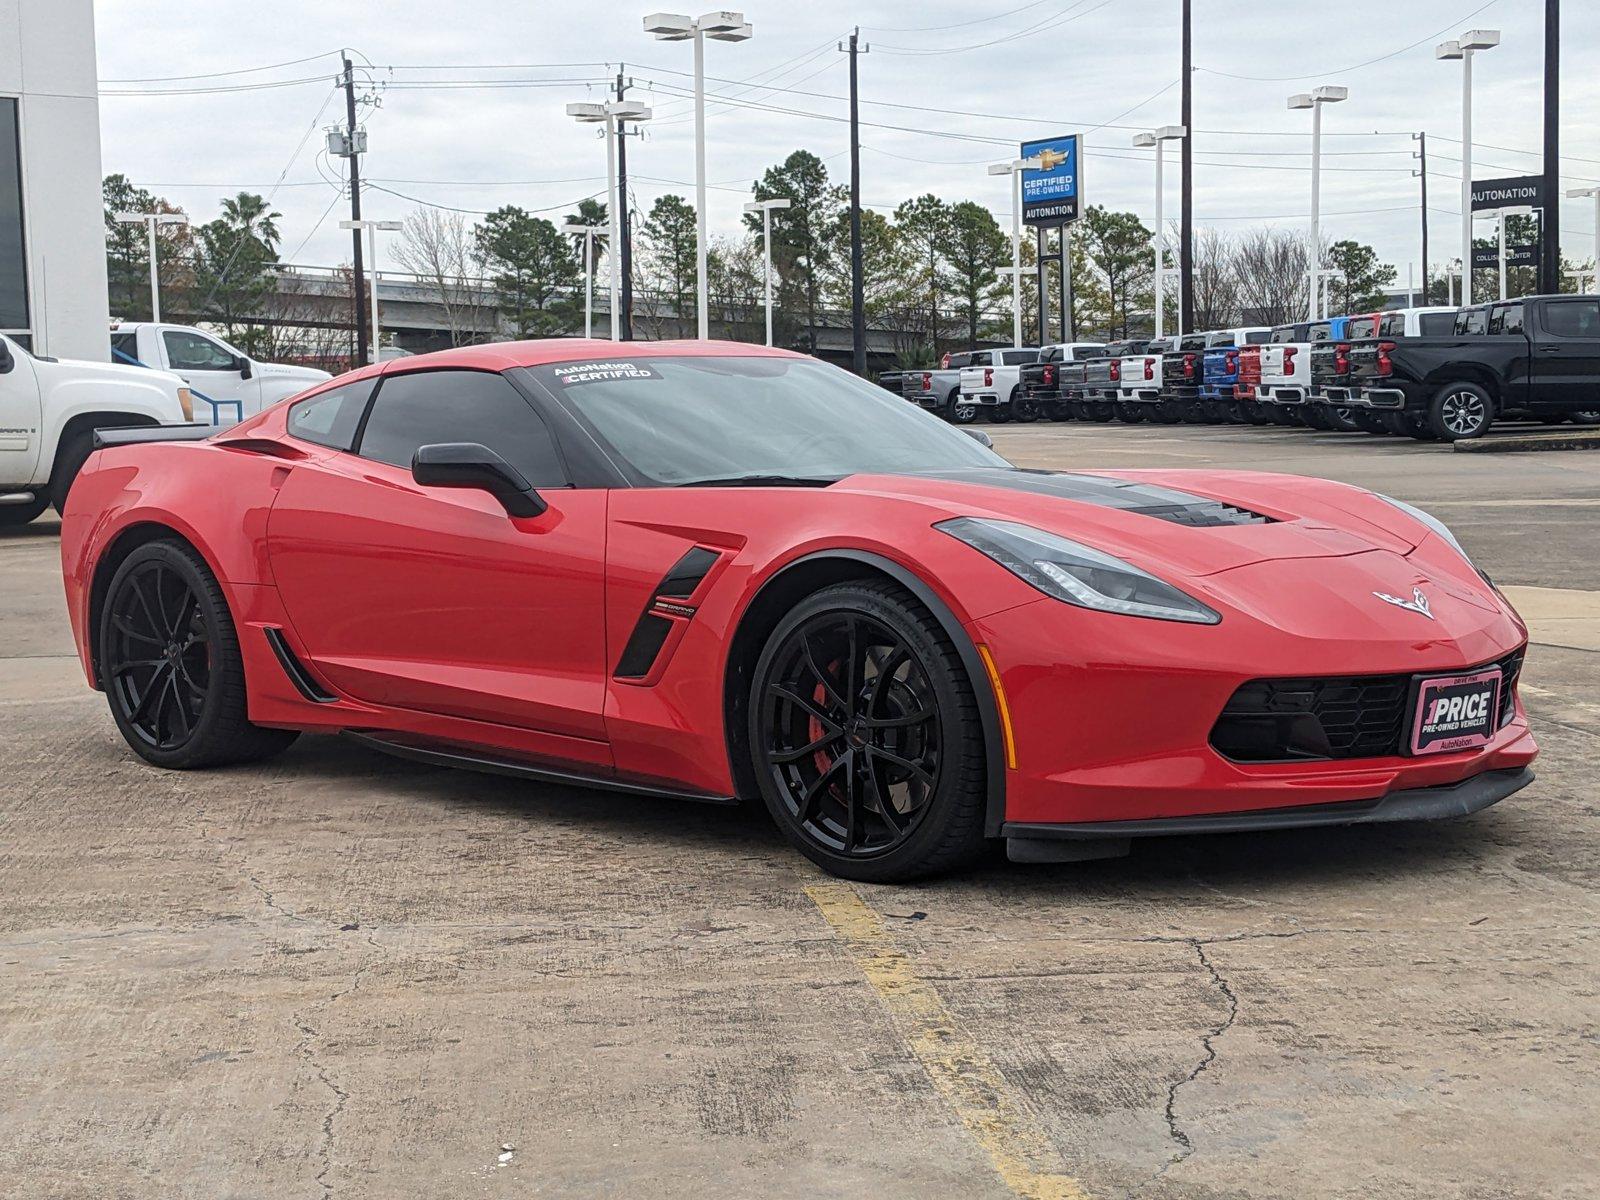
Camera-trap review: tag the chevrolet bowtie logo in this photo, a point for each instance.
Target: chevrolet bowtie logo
(1417, 604)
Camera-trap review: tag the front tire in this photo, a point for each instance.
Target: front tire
(865, 736)
(171, 667)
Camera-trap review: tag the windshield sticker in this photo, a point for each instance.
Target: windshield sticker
(600, 372)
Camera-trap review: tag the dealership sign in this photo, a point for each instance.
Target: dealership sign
(1516, 256)
(1051, 192)
(1516, 192)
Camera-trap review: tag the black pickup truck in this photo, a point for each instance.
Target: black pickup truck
(1102, 379)
(1042, 382)
(1539, 355)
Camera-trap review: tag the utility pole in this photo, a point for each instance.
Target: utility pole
(1041, 241)
(624, 251)
(1422, 174)
(1550, 225)
(1069, 316)
(858, 302)
(360, 331)
(1186, 221)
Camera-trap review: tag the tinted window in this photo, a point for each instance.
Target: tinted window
(1470, 321)
(982, 358)
(1505, 318)
(1218, 339)
(191, 352)
(426, 407)
(1256, 337)
(13, 276)
(1572, 318)
(1436, 324)
(1361, 327)
(1084, 352)
(677, 420)
(330, 418)
(960, 360)
(1012, 357)
(124, 347)
(1322, 331)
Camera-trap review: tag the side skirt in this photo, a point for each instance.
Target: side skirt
(489, 763)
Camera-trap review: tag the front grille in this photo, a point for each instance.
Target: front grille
(1363, 716)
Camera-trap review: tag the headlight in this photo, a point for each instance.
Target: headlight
(1076, 573)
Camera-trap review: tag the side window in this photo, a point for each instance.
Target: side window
(1256, 338)
(1505, 318)
(124, 347)
(1392, 325)
(1436, 324)
(1572, 318)
(331, 418)
(981, 359)
(192, 352)
(425, 407)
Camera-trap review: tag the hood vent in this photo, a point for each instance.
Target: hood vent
(1145, 499)
(1206, 514)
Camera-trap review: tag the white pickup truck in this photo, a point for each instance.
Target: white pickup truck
(49, 410)
(228, 385)
(1286, 365)
(994, 379)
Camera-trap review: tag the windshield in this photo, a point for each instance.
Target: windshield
(689, 420)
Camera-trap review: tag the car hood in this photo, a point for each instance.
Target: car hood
(1192, 523)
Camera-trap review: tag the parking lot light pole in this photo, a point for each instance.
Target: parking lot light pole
(1314, 100)
(609, 114)
(766, 209)
(1463, 48)
(588, 232)
(372, 228)
(1015, 168)
(721, 27)
(1157, 138)
(1594, 193)
(151, 220)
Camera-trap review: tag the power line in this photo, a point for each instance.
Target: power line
(293, 62)
(1054, 21)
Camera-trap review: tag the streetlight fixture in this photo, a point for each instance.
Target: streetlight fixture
(588, 231)
(1579, 194)
(1157, 138)
(1015, 168)
(151, 220)
(609, 114)
(766, 208)
(1464, 47)
(372, 228)
(1314, 100)
(721, 27)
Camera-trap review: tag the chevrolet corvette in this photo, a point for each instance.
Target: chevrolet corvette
(712, 571)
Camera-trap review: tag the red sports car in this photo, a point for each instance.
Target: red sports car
(711, 571)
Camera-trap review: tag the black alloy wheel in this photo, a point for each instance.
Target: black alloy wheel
(1024, 408)
(865, 736)
(170, 663)
(1588, 417)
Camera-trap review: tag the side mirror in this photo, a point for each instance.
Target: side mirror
(979, 436)
(242, 365)
(470, 465)
(6, 361)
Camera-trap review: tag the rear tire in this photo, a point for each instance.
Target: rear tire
(171, 667)
(1024, 408)
(74, 452)
(1460, 411)
(865, 736)
(14, 516)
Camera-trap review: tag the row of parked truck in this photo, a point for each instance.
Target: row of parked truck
(1430, 373)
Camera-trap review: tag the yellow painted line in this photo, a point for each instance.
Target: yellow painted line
(960, 1071)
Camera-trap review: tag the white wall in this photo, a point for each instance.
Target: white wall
(47, 59)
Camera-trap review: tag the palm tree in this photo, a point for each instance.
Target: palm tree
(590, 212)
(248, 213)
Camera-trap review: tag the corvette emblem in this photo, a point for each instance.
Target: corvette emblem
(1417, 604)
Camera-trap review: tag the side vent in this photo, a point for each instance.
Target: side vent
(302, 679)
(666, 609)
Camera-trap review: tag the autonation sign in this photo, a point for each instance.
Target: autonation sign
(1051, 193)
(1514, 192)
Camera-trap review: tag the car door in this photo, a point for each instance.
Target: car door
(1566, 353)
(435, 599)
(20, 415)
(213, 370)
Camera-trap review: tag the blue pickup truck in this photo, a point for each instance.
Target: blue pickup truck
(1220, 371)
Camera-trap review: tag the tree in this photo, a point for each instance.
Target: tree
(1119, 245)
(438, 248)
(735, 287)
(1216, 282)
(801, 245)
(888, 273)
(925, 229)
(532, 265)
(1364, 277)
(1271, 269)
(976, 249)
(128, 249)
(234, 265)
(667, 265)
(590, 212)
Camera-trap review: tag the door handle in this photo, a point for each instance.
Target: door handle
(1548, 349)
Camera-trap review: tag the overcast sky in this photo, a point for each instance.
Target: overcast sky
(469, 104)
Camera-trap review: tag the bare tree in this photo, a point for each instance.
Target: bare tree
(1271, 270)
(438, 248)
(1216, 280)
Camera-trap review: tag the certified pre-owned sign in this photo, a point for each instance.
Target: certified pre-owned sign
(1051, 192)
(1508, 193)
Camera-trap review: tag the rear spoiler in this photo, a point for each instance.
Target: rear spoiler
(125, 436)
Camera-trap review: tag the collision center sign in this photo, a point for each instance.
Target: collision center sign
(1052, 192)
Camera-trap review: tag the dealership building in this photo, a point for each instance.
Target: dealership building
(52, 231)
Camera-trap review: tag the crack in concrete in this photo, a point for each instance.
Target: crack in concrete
(268, 899)
(1208, 1043)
